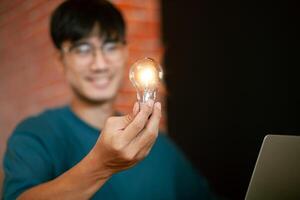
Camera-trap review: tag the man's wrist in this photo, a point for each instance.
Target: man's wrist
(95, 166)
(87, 176)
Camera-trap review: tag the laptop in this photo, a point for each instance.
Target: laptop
(276, 175)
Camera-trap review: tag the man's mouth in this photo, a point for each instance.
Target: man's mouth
(99, 82)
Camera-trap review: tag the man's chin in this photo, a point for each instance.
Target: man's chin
(97, 100)
(93, 99)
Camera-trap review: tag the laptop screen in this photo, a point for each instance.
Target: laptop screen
(277, 171)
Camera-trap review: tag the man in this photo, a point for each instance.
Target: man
(79, 151)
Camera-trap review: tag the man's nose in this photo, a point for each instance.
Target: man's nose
(100, 63)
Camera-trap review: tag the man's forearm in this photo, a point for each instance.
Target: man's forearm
(80, 182)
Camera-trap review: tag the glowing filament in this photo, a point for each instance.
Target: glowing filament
(146, 76)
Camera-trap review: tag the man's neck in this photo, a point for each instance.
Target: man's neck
(93, 114)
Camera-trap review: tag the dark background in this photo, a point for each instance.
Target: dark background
(232, 71)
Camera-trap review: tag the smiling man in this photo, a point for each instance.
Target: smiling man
(80, 151)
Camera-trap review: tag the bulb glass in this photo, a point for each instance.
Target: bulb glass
(145, 75)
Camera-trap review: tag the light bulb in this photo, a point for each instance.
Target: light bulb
(145, 75)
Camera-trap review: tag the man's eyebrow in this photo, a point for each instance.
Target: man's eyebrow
(111, 40)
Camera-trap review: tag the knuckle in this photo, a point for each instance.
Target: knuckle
(140, 157)
(117, 146)
(127, 156)
(143, 155)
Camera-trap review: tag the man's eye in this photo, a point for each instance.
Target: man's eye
(110, 47)
(82, 49)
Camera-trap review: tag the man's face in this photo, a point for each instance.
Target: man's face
(94, 69)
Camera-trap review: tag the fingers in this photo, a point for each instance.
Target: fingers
(145, 150)
(148, 136)
(120, 123)
(139, 122)
(153, 124)
(136, 108)
(135, 141)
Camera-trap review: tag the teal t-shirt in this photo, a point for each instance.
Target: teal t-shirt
(44, 146)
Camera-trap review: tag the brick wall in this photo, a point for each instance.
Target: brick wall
(30, 75)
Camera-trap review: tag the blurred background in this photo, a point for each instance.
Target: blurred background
(231, 75)
(31, 77)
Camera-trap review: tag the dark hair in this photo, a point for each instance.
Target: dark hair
(75, 19)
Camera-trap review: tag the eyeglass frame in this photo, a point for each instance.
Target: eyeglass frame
(105, 49)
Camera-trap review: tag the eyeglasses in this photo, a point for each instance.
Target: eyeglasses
(86, 52)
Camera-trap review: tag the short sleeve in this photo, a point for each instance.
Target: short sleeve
(26, 163)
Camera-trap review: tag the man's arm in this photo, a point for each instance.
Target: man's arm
(80, 182)
(123, 142)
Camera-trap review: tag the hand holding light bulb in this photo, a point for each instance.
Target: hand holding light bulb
(145, 75)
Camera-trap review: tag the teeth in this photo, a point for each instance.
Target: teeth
(100, 82)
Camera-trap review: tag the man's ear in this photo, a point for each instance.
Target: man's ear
(126, 52)
(61, 54)
(59, 60)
